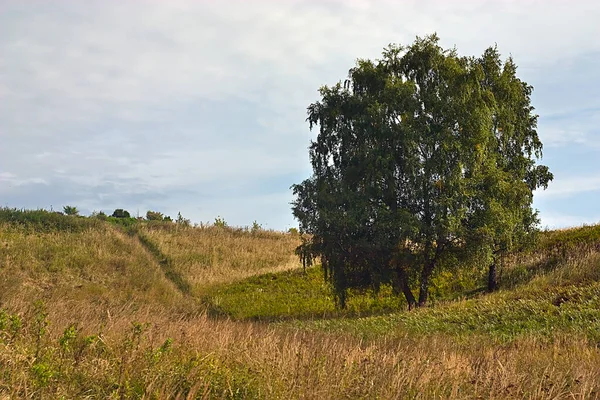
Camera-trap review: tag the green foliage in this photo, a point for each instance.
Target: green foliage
(292, 294)
(124, 222)
(180, 221)
(70, 210)
(120, 213)
(220, 222)
(502, 317)
(256, 228)
(422, 157)
(43, 373)
(502, 218)
(10, 326)
(68, 337)
(101, 215)
(165, 348)
(118, 217)
(40, 326)
(157, 216)
(44, 221)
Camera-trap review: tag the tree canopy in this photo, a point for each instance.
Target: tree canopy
(156, 216)
(121, 213)
(420, 156)
(70, 210)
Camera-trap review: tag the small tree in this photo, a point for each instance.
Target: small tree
(101, 215)
(157, 216)
(256, 227)
(502, 218)
(182, 221)
(120, 213)
(220, 222)
(70, 210)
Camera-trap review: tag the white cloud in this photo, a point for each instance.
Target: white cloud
(10, 180)
(114, 94)
(558, 221)
(557, 136)
(568, 186)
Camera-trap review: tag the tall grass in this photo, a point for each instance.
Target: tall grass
(173, 357)
(99, 265)
(211, 255)
(94, 312)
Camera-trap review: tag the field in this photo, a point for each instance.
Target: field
(94, 309)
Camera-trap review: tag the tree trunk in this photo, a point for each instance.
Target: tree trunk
(492, 277)
(401, 285)
(424, 284)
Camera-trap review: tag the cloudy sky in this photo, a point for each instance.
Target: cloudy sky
(199, 107)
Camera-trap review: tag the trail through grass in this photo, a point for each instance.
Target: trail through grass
(206, 256)
(165, 263)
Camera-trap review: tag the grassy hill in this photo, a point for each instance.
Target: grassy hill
(94, 309)
(98, 266)
(213, 254)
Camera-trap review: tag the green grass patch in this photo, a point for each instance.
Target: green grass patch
(306, 295)
(544, 294)
(502, 316)
(293, 295)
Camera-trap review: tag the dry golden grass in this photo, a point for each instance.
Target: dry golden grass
(99, 266)
(211, 255)
(222, 359)
(136, 336)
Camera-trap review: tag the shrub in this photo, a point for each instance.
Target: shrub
(70, 210)
(44, 221)
(256, 227)
(120, 213)
(154, 216)
(182, 221)
(220, 222)
(157, 216)
(101, 215)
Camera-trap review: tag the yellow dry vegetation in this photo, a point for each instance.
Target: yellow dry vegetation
(100, 266)
(222, 359)
(93, 314)
(211, 255)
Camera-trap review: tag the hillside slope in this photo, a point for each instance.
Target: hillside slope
(211, 255)
(90, 309)
(97, 266)
(551, 288)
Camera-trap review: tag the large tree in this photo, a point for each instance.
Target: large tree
(502, 216)
(411, 160)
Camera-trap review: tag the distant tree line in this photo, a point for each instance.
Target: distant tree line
(70, 219)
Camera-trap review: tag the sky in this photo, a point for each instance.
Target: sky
(199, 107)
